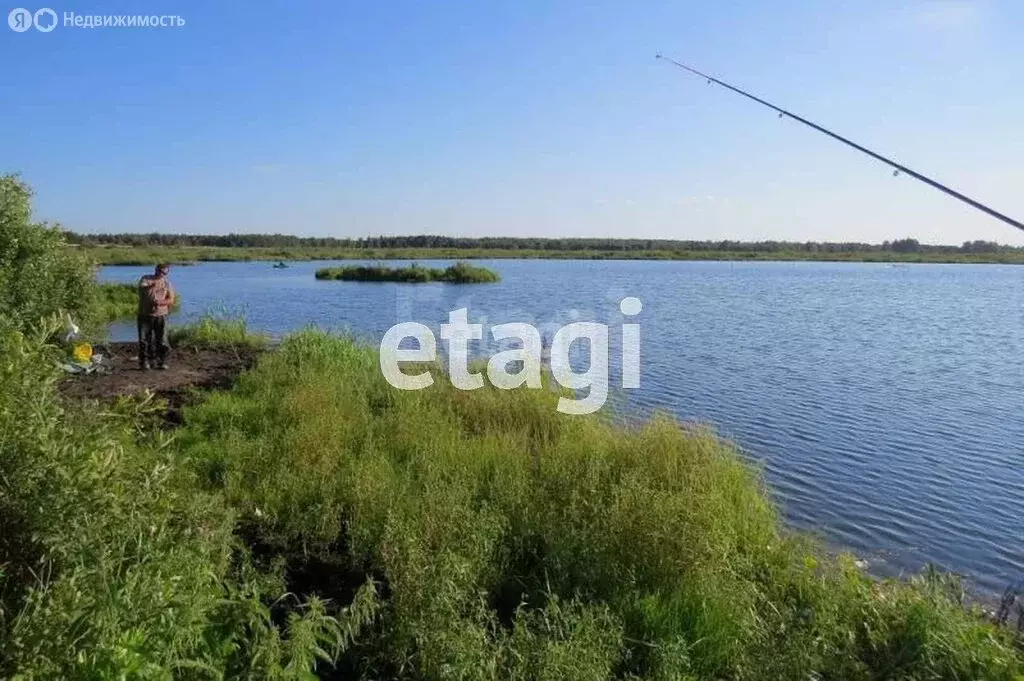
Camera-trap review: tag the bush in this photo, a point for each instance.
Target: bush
(40, 275)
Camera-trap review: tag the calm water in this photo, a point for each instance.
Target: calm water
(885, 402)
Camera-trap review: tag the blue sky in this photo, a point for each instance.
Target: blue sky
(521, 118)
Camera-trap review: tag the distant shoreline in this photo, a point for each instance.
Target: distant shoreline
(147, 255)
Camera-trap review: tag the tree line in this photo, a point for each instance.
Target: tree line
(525, 243)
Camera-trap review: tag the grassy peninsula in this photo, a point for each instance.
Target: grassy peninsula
(459, 273)
(313, 522)
(121, 301)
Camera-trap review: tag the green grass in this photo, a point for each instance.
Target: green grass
(459, 273)
(515, 542)
(216, 332)
(121, 301)
(313, 515)
(114, 564)
(183, 255)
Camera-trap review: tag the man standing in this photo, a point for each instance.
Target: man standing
(155, 300)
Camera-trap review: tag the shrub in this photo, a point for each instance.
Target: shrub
(40, 275)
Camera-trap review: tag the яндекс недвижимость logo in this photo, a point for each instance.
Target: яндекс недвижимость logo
(21, 19)
(45, 20)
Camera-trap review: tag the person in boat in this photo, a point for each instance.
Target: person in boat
(156, 296)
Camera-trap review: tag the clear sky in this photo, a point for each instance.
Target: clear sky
(525, 118)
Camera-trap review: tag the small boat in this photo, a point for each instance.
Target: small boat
(281, 265)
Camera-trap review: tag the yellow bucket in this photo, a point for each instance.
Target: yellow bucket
(82, 352)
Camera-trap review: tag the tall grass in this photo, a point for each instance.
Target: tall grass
(459, 273)
(115, 565)
(514, 542)
(216, 332)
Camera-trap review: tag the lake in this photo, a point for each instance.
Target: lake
(884, 402)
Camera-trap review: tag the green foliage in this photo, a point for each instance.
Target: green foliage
(115, 565)
(459, 273)
(121, 301)
(516, 542)
(464, 273)
(212, 331)
(40, 276)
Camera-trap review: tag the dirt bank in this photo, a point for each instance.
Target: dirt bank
(188, 370)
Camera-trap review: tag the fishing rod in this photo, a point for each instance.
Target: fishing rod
(897, 167)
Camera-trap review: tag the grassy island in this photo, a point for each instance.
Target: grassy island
(459, 273)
